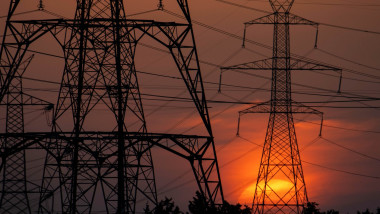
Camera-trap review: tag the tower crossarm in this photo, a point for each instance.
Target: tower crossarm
(307, 65)
(295, 64)
(294, 107)
(300, 64)
(174, 36)
(194, 148)
(30, 100)
(264, 64)
(21, 36)
(281, 18)
(265, 107)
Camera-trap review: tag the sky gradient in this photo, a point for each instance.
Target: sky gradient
(340, 168)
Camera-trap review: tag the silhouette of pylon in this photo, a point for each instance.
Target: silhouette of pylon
(87, 170)
(280, 186)
(15, 187)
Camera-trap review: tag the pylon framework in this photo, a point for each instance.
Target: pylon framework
(14, 190)
(86, 170)
(280, 186)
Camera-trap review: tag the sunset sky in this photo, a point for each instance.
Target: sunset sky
(341, 168)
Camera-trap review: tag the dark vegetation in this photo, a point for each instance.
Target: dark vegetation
(198, 206)
(312, 208)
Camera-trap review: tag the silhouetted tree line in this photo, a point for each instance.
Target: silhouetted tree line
(312, 208)
(199, 206)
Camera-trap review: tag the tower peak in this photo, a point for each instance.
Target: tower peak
(281, 5)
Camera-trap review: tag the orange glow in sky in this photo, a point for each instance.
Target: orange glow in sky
(325, 161)
(281, 187)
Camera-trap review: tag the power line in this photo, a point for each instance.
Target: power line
(350, 28)
(320, 23)
(342, 171)
(264, 46)
(245, 7)
(216, 84)
(241, 102)
(342, 128)
(330, 168)
(20, 13)
(237, 37)
(347, 60)
(225, 145)
(215, 65)
(351, 150)
(328, 4)
(218, 66)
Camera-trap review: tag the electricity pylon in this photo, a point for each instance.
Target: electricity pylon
(280, 186)
(86, 170)
(15, 187)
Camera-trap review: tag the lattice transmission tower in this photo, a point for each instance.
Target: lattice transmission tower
(15, 187)
(86, 169)
(280, 186)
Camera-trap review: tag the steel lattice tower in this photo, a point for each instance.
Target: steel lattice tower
(15, 187)
(86, 169)
(280, 162)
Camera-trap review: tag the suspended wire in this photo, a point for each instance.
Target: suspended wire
(294, 83)
(320, 23)
(253, 42)
(253, 180)
(351, 150)
(207, 63)
(34, 118)
(245, 7)
(256, 75)
(310, 143)
(218, 149)
(212, 83)
(350, 28)
(192, 180)
(304, 161)
(21, 13)
(184, 99)
(244, 185)
(342, 171)
(325, 167)
(189, 100)
(340, 127)
(332, 4)
(222, 147)
(141, 13)
(39, 52)
(347, 60)
(366, 99)
(185, 118)
(54, 14)
(346, 78)
(158, 49)
(337, 4)
(256, 147)
(227, 108)
(26, 113)
(265, 46)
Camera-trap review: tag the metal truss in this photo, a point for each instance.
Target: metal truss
(280, 162)
(85, 170)
(15, 187)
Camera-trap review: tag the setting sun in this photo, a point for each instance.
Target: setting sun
(279, 186)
